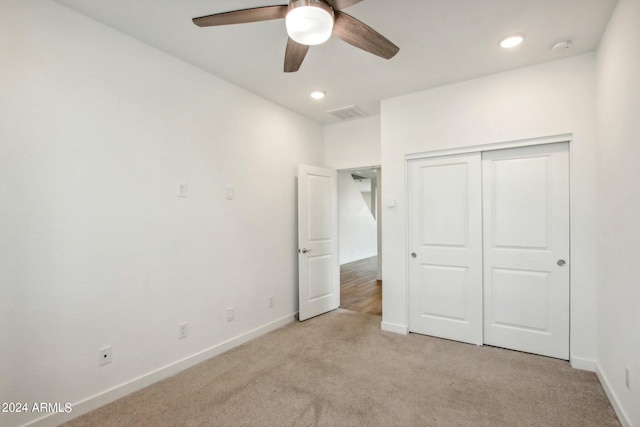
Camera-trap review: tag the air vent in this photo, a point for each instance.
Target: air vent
(346, 113)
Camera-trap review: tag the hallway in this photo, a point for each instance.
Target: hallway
(359, 288)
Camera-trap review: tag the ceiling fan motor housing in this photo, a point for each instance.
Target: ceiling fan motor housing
(309, 22)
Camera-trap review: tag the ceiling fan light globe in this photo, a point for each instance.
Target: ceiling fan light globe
(309, 23)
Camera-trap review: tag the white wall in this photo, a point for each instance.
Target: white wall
(96, 249)
(619, 208)
(548, 99)
(352, 144)
(357, 227)
(364, 187)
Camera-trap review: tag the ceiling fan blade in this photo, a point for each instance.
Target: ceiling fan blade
(294, 56)
(362, 36)
(242, 16)
(341, 4)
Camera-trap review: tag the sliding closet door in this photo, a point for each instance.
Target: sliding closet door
(526, 249)
(445, 240)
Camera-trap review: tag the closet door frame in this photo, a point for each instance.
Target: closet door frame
(567, 138)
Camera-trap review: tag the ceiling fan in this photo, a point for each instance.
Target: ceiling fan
(309, 23)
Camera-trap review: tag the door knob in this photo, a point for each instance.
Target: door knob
(305, 250)
(561, 262)
(413, 255)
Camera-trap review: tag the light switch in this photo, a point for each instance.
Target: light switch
(230, 193)
(391, 203)
(182, 189)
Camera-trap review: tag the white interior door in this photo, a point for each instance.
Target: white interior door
(319, 265)
(526, 249)
(445, 240)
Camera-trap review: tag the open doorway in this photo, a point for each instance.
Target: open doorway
(359, 236)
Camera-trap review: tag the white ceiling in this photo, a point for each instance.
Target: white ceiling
(441, 41)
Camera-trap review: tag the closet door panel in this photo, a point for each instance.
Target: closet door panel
(445, 241)
(526, 249)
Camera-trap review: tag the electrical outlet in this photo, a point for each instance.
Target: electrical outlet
(626, 377)
(104, 356)
(183, 330)
(271, 302)
(230, 314)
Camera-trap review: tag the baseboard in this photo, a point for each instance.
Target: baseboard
(612, 398)
(108, 396)
(583, 364)
(395, 328)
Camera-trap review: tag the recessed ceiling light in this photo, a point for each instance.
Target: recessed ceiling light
(318, 94)
(512, 40)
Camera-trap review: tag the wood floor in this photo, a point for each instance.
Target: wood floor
(359, 289)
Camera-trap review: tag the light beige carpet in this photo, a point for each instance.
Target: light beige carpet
(340, 369)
